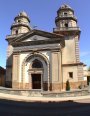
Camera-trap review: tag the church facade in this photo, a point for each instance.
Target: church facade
(43, 60)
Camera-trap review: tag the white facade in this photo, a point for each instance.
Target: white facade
(43, 60)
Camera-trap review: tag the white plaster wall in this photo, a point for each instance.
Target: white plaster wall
(85, 70)
(47, 54)
(55, 67)
(68, 53)
(27, 73)
(85, 78)
(22, 57)
(26, 78)
(27, 67)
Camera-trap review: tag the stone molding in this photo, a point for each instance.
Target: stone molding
(30, 56)
(37, 32)
(37, 48)
(73, 64)
(39, 42)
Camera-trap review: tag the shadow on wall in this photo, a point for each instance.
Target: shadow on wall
(2, 76)
(66, 108)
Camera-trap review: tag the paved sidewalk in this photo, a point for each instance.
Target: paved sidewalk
(41, 99)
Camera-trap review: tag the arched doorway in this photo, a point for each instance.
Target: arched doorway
(35, 69)
(36, 74)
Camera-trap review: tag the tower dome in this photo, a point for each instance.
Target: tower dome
(65, 6)
(23, 13)
(21, 24)
(66, 22)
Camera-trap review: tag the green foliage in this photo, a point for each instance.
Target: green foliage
(67, 85)
(80, 86)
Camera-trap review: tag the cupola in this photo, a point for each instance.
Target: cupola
(21, 24)
(65, 21)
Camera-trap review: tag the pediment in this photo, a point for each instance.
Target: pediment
(35, 38)
(36, 35)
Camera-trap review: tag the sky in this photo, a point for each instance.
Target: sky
(42, 14)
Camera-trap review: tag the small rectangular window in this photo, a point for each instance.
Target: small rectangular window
(70, 74)
(65, 13)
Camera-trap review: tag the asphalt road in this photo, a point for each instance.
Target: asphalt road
(66, 108)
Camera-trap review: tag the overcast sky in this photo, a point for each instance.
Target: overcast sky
(42, 14)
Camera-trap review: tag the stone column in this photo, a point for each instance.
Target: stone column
(48, 78)
(41, 81)
(30, 80)
(23, 76)
(15, 72)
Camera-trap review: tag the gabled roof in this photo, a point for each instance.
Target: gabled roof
(35, 32)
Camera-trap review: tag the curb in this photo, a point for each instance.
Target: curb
(40, 99)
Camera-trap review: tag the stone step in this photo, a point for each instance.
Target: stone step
(31, 93)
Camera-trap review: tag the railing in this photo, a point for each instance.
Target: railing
(66, 29)
(17, 23)
(70, 15)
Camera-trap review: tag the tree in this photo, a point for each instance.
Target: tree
(67, 85)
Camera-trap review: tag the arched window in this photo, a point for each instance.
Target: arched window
(37, 64)
(66, 25)
(16, 32)
(19, 21)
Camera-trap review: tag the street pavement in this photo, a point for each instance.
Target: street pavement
(63, 108)
(15, 105)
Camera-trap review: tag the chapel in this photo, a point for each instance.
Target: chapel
(40, 60)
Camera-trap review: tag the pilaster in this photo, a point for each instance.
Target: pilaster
(15, 70)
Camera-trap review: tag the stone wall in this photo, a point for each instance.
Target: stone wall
(67, 93)
(34, 93)
(52, 86)
(76, 85)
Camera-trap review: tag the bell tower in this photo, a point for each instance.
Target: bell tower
(66, 22)
(21, 24)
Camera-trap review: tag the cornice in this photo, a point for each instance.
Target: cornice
(72, 64)
(36, 32)
(39, 42)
